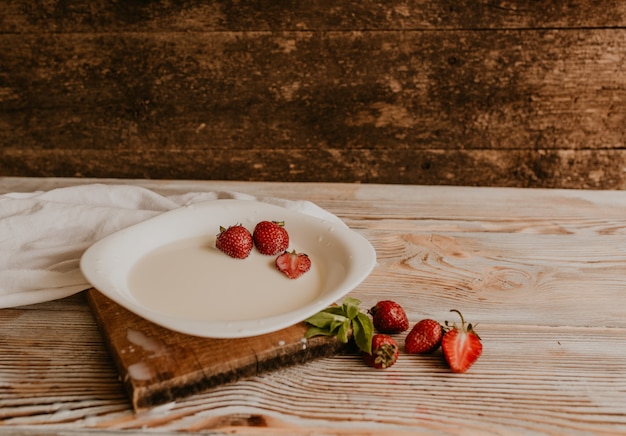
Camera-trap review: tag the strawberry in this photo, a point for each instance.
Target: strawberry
(461, 345)
(389, 317)
(293, 264)
(236, 241)
(424, 337)
(270, 237)
(384, 352)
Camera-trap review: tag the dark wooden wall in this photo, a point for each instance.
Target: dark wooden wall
(484, 92)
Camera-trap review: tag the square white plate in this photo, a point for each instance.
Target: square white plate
(168, 271)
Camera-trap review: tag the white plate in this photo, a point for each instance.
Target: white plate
(167, 270)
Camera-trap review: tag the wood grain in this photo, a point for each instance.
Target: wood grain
(414, 92)
(224, 15)
(541, 273)
(569, 169)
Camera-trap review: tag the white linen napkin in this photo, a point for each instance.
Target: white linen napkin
(44, 234)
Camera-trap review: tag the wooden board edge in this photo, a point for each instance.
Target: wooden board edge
(144, 397)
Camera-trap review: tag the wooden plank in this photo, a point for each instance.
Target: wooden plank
(349, 90)
(416, 91)
(160, 366)
(575, 169)
(539, 271)
(334, 106)
(98, 16)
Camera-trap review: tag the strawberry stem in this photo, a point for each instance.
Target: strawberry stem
(470, 327)
(462, 319)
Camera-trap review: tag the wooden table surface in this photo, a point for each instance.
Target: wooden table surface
(542, 273)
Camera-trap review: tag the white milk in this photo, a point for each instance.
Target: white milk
(192, 279)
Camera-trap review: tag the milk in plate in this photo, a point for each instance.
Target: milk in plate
(190, 278)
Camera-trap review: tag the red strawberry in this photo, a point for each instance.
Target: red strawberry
(461, 346)
(270, 237)
(389, 317)
(236, 241)
(384, 352)
(293, 264)
(424, 337)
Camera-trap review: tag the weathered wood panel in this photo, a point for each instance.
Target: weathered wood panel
(576, 169)
(20, 16)
(504, 93)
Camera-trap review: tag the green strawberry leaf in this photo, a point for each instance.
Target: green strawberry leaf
(363, 329)
(345, 322)
(316, 331)
(325, 320)
(350, 307)
(343, 334)
(338, 323)
(336, 310)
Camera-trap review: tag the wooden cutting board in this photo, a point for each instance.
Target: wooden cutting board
(159, 366)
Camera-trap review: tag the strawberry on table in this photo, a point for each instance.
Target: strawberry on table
(389, 317)
(384, 352)
(270, 237)
(461, 345)
(424, 337)
(293, 264)
(235, 241)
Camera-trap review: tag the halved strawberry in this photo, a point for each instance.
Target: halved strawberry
(270, 237)
(461, 345)
(293, 264)
(236, 241)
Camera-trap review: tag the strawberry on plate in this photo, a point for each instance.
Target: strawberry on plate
(235, 241)
(384, 353)
(389, 317)
(293, 264)
(270, 237)
(424, 337)
(461, 345)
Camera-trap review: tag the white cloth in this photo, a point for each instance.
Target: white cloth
(44, 234)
